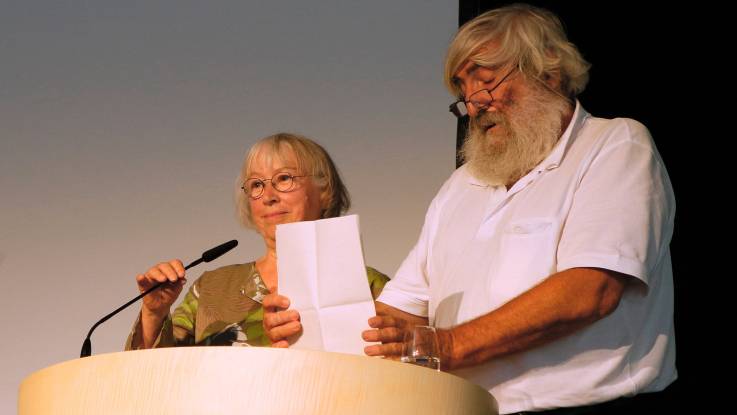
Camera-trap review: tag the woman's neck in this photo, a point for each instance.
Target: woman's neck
(266, 266)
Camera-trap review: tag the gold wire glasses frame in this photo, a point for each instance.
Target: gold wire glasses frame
(480, 99)
(281, 182)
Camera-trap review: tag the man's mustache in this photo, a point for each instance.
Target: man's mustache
(486, 119)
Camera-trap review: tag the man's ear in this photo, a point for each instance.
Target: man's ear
(552, 80)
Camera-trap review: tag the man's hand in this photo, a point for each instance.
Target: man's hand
(280, 323)
(388, 327)
(390, 332)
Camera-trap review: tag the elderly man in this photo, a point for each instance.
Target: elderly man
(543, 261)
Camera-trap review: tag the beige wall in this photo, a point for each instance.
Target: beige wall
(123, 125)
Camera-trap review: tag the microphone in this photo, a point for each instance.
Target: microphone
(207, 256)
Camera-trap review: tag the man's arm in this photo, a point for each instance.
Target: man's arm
(561, 304)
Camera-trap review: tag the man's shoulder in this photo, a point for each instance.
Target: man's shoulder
(458, 181)
(616, 131)
(460, 176)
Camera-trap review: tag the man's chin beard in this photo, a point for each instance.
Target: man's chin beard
(494, 159)
(518, 141)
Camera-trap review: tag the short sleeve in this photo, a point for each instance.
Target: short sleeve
(622, 214)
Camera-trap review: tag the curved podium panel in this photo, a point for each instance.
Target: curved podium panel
(248, 380)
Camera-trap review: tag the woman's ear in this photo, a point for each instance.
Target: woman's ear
(324, 201)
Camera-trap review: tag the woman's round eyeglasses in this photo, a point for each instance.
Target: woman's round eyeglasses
(281, 182)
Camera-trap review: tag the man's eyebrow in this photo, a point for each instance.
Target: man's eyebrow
(474, 67)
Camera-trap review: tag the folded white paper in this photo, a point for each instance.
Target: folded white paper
(321, 270)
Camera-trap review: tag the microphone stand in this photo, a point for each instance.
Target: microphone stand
(206, 257)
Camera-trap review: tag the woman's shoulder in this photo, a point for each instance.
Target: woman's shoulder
(374, 274)
(225, 276)
(376, 280)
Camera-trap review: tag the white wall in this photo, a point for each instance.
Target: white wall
(123, 126)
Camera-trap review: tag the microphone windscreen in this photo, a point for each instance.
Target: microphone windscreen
(214, 253)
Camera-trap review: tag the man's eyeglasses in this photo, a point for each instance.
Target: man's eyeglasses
(480, 99)
(282, 182)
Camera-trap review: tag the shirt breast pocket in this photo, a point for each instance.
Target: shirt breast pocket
(527, 255)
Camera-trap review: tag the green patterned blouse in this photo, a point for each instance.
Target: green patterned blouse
(222, 308)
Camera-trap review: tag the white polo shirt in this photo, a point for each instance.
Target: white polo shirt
(602, 198)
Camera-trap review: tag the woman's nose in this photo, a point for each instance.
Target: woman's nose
(270, 195)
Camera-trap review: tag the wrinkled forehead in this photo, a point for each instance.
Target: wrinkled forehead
(271, 156)
(489, 55)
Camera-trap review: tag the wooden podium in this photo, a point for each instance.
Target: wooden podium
(246, 380)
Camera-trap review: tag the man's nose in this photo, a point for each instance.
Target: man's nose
(478, 102)
(474, 110)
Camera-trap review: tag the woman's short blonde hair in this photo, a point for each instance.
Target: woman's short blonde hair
(530, 38)
(311, 160)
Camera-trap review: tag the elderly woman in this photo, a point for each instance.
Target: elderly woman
(285, 178)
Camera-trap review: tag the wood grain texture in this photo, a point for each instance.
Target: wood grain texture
(228, 380)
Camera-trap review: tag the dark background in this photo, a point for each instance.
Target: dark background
(644, 67)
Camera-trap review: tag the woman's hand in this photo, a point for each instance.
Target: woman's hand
(158, 303)
(280, 323)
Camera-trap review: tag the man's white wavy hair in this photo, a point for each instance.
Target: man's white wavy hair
(530, 38)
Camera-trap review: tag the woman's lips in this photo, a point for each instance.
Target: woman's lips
(274, 215)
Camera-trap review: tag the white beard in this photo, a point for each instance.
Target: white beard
(530, 128)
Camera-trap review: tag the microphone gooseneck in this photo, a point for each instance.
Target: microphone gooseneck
(207, 256)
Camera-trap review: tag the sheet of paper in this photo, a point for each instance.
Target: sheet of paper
(321, 270)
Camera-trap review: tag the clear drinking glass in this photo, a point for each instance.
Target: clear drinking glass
(420, 347)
